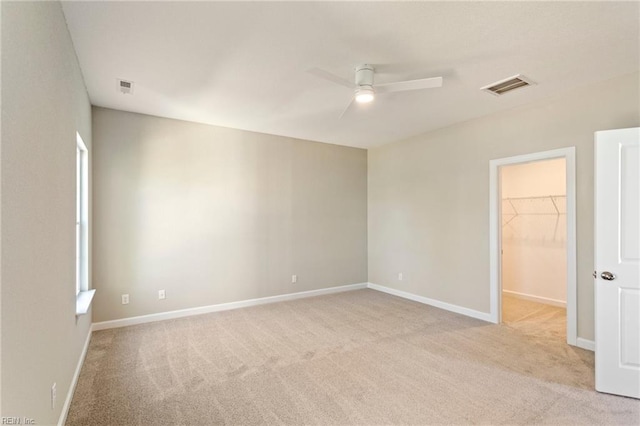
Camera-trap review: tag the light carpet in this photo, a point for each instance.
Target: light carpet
(534, 318)
(360, 357)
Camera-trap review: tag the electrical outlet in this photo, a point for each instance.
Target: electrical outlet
(399, 276)
(161, 294)
(125, 299)
(54, 395)
(294, 279)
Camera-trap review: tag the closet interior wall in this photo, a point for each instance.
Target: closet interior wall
(534, 230)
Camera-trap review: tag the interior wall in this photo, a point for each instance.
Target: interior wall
(534, 231)
(214, 215)
(42, 109)
(429, 195)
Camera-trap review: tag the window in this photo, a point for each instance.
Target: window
(81, 216)
(83, 294)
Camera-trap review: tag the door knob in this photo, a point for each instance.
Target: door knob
(606, 275)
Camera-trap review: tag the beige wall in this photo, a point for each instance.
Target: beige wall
(42, 108)
(534, 230)
(429, 195)
(214, 215)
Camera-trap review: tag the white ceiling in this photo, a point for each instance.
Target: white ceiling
(245, 64)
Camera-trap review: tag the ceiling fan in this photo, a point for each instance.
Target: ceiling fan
(365, 90)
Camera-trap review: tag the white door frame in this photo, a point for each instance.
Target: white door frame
(495, 233)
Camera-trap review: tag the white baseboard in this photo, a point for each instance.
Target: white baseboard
(438, 304)
(539, 299)
(589, 345)
(222, 307)
(74, 381)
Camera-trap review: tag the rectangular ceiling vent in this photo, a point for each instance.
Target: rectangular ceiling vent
(507, 85)
(125, 86)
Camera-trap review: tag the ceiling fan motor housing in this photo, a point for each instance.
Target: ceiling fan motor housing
(364, 76)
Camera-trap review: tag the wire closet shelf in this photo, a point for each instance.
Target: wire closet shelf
(540, 218)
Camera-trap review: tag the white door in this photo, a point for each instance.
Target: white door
(617, 249)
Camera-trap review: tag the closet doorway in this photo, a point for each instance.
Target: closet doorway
(534, 247)
(533, 252)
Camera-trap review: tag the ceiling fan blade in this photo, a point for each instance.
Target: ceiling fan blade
(348, 108)
(399, 86)
(326, 75)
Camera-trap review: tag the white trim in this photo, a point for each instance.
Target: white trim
(539, 299)
(222, 307)
(572, 262)
(427, 301)
(495, 233)
(83, 301)
(589, 345)
(72, 387)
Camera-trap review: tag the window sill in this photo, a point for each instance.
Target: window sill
(83, 301)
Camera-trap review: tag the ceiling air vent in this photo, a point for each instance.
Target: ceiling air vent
(125, 86)
(507, 85)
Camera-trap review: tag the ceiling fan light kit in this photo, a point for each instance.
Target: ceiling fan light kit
(364, 94)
